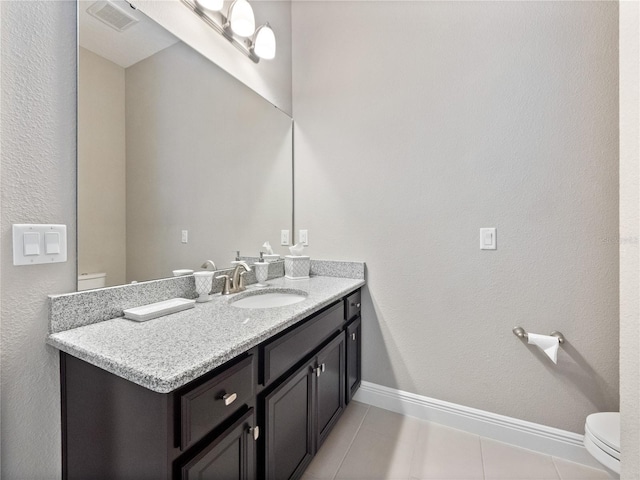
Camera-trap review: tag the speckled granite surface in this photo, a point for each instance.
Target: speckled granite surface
(329, 268)
(73, 310)
(166, 353)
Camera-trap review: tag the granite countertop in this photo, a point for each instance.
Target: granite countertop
(168, 352)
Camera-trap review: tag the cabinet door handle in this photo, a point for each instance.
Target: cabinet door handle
(255, 431)
(353, 336)
(229, 398)
(318, 371)
(357, 305)
(322, 367)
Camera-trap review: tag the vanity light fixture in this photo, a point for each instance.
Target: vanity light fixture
(238, 26)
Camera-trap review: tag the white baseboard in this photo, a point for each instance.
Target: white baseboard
(533, 436)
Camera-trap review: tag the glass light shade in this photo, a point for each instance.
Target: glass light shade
(211, 5)
(264, 45)
(241, 18)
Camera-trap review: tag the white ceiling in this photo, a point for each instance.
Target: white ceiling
(126, 48)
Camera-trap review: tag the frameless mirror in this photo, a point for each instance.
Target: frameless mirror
(178, 162)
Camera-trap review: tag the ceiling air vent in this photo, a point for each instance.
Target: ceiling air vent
(112, 15)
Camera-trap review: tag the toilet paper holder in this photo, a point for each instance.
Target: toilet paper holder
(521, 333)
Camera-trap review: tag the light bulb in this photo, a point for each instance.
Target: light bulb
(264, 44)
(241, 18)
(211, 5)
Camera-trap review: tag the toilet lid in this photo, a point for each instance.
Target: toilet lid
(605, 427)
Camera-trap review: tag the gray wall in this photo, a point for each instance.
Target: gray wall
(204, 154)
(102, 219)
(270, 78)
(450, 116)
(38, 121)
(630, 235)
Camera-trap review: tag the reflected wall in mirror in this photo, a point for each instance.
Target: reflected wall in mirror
(170, 145)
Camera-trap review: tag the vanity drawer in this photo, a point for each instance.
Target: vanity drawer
(208, 405)
(352, 305)
(284, 352)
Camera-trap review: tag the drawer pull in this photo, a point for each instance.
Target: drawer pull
(229, 398)
(353, 336)
(255, 431)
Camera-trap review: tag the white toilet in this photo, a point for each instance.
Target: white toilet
(89, 281)
(602, 438)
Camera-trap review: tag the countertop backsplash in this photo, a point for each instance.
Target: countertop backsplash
(73, 310)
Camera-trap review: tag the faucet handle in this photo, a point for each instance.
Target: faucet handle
(241, 285)
(226, 289)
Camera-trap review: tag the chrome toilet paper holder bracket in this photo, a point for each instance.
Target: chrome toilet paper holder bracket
(522, 334)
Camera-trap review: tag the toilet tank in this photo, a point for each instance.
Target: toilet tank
(88, 281)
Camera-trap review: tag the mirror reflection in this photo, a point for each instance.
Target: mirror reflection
(178, 162)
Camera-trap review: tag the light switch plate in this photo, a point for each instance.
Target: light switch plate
(50, 238)
(303, 237)
(488, 239)
(284, 237)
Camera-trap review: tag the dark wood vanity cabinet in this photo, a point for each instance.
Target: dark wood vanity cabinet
(229, 456)
(354, 357)
(300, 412)
(263, 414)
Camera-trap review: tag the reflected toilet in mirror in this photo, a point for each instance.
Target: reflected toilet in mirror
(164, 135)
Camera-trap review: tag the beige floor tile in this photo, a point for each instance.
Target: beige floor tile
(355, 412)
(328, 459)
(445, 453)
(374, 455)
(391, 423)
(503, 461)
(574, 471)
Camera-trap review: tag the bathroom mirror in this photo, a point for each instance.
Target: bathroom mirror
(178, 162)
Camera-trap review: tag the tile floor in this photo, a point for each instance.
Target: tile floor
(371, 443)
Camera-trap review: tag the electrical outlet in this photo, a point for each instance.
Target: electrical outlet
(185, 236)
(303, 237)
(284, 237)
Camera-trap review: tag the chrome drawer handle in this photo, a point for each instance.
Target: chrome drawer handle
(229, 398)
(357, 305)
(353, 336)
(256, 432)
(322, 367)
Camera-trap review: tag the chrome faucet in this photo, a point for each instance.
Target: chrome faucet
(209, 263)
(235, 283)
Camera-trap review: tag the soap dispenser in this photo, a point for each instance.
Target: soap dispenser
(237, 260)
(261, 268)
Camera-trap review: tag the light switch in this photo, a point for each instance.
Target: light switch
(284, 237)
(31, 243)
(488, 239)
(52, 243)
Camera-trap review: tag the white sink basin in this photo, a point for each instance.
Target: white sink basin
(269, 299)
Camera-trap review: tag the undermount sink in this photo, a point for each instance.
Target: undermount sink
(269, 298)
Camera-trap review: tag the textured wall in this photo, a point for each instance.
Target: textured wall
(102, 219)
(629, 235)
(38, 121)
(270, 78)
(445, 117)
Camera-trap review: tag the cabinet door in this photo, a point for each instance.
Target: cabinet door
(288, 424)
(330, 377)
(354, 355)
(230, 456)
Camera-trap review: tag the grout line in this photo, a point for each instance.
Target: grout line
(556, 467)
(484, 470)
(346, 451)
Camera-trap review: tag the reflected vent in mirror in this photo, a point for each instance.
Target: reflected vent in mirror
(112, 15)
